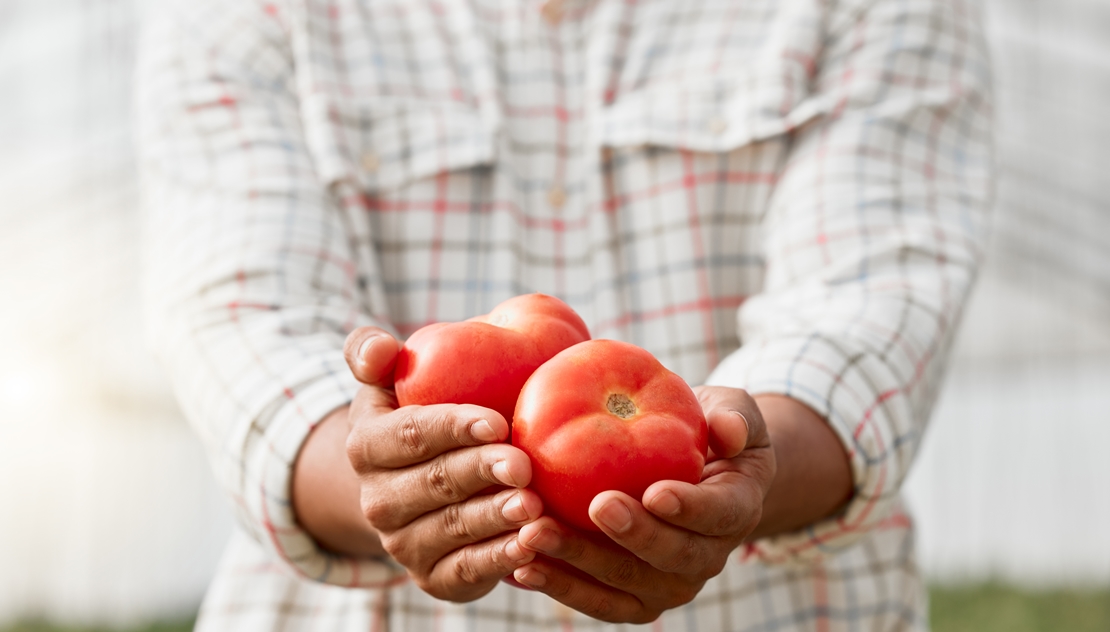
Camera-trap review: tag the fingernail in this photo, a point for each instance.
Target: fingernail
(747, 426)
(514, 510)
(515, 552)
(615, 515)
(546, 541)
(365, 346)
(482, 431)
(530, 577)
(666, 503)
(501, 473)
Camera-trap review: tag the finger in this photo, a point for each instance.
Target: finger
(729, 503)
(415, 434)
(734, 420)
(472, 571)
(431, 536)
(591, 598)
(609, 565)
(401, 496)
(371, 402)
(664, 546)
(371, 353)
(729, 431)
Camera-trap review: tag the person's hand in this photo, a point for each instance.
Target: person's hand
(671, 544)
(443, 491)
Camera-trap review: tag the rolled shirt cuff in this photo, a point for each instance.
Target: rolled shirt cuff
(864, 403)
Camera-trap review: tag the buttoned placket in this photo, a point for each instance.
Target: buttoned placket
(717, 125)
(553, 13)
(371, 161)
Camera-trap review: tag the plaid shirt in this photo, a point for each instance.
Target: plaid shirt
(787, 196)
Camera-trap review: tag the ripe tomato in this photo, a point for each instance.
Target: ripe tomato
(606, 415)
(485, 360)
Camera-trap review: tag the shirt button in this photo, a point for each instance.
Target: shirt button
(557, 197)
(370, 161)
(717, 126)
(552, 11)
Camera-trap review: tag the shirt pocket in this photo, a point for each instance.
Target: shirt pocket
(713, 115)
(690, 171)
(721, 140)
(384, 145)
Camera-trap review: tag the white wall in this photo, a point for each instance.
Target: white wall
(1011, 482)
(1013, 479)
(108, 512)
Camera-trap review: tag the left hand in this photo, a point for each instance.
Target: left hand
(676, 540)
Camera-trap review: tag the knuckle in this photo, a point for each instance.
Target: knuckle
(439, 483)
(570, 550)
(356, 451)
(452, 422)
(396, 547)
(602, 607)
(743, 395)
(412, 438)
(712, 570)
(682, 595)
(684, 558)
(649, 539)
(499, 560)
(623, 573)
(435, 589)
(465, 568)
(753, 521)
(445, 419)
(560, 591)
(730, 519)
(739, 516)
(711, 394)
(377, 511)
(454, 523)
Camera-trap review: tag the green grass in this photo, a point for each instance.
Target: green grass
(978, 608)
(41, 626)
(998, 608)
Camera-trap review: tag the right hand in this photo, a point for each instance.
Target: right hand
(444, 492)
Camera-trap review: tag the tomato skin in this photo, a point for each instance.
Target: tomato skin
(579, 448)
(485, 360)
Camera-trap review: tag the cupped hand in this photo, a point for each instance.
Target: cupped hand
(438, 483)
(664, 547)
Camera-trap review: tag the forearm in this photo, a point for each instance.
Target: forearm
(326, 491)
(813, 478)
(812, 482)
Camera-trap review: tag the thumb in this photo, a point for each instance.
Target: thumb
(735, 421)
(371, 353)
(729, 431)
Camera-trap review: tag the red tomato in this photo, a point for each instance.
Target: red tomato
(485, 360)
(606, 415)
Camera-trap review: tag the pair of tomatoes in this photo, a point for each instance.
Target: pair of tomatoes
(592, 415)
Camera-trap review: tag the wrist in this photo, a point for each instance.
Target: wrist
(326, 491)
(813, 480)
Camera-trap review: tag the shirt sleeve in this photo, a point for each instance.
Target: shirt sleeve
(872, 239)
(252, 285)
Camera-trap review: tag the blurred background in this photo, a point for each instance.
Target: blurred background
(109, 518)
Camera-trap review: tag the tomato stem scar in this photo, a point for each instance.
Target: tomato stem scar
(621, 406)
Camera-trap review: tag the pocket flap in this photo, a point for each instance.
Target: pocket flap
(386, 144)
(708, 117)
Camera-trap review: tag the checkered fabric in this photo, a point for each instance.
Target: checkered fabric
(787, 196)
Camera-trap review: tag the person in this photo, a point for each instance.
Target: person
(785, 201)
